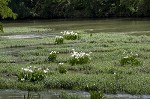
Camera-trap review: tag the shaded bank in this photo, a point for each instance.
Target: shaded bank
(80, 8)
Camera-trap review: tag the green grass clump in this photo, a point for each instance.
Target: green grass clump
(32, 74)
(130, 59)
(96, 95)
(59, 40)
(62, 69)
(52, 56)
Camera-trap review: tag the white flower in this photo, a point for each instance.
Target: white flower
(136, 54)
(126, 57)
(53, 52)
(22, 79)
(78, 55)
(30, 70)
(90, 52)
(58, 36)
(69, 33)
(61, 63)
(87, 54)
(25, 69)
(45, 71)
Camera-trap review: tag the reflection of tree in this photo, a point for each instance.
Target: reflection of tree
(30, 95)
(1, 27)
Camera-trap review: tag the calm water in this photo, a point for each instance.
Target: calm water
(125, 26)
(56, 94)
(50, 94)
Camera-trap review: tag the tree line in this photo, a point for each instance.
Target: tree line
(80, 8)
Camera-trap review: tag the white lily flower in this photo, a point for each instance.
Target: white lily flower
(61, 63)
(30, 70)
(45, 71)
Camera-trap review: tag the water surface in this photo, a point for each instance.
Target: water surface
(124, 26)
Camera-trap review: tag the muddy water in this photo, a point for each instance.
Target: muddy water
(27, 36)
(51, 94)
(36, 28)
(56, 94)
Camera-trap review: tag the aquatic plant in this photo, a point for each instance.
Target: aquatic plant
(62, 69)
(59, 40)
(52, 56)
(79, 57)
(97, 95)
(129, 59)
(32, 74)
(70, 35)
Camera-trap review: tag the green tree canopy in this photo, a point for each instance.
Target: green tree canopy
(5, 11)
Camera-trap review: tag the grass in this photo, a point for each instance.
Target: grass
(103, 73)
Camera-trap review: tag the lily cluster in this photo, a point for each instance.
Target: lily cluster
(79, 57)
(59, 39)
(32, 74)
(129, 58)
(62, 69)
(52, 56)
(70, 35)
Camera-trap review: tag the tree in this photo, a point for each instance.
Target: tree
(5, 11)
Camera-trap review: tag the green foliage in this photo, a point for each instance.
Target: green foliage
(79, 58)
(129, 59)
(62, 69)
(52, 56)
(59, 40)
(32, 74)
(5, 11)
(98, 75)
(96, 95)
(70, 35)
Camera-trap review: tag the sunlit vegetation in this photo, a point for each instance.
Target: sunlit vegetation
(105, 70)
